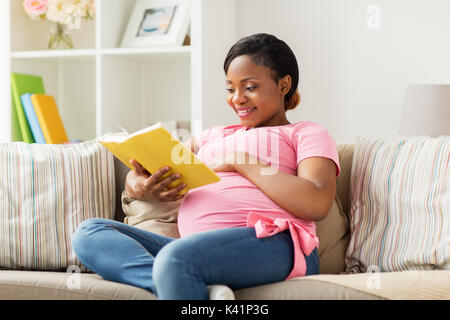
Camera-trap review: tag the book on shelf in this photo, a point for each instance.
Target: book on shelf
(21, 84)
(49, 118)
(33, 121)
(154, 147)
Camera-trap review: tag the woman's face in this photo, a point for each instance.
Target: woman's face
(254, 95)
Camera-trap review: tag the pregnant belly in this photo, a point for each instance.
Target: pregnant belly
(223, 204)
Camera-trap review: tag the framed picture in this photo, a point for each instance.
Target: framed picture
(157, 23)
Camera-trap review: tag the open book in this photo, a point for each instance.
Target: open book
(154, 147)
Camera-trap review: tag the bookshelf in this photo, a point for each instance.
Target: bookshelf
(98, 84)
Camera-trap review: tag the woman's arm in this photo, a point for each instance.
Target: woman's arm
(308, 196)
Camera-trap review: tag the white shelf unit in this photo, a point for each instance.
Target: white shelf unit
(99, 84)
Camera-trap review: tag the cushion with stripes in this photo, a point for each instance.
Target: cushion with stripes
(400, 204)
(46, 190)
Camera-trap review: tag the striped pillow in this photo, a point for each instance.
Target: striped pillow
(400, 205)
(45, 192)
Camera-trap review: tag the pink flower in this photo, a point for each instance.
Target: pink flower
(35, 8)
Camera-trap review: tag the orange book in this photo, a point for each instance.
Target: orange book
(49, 119)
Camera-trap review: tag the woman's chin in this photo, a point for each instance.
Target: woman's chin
(248, 123)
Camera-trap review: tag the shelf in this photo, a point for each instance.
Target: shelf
(143, 54)
(147, 51)
(50, 54)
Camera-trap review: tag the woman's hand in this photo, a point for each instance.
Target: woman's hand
(222, 167)
(142, 185)
(234, 161)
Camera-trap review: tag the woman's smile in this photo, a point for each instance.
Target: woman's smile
(245, 112)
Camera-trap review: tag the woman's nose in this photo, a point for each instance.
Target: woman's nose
(239, 97)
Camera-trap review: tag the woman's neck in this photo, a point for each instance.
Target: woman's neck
(275, 121)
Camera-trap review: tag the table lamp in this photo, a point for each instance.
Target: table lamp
(426, 110)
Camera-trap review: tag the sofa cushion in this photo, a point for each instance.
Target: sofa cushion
(345, 151)
(120, 175)
(400, 204)
(403, 285)
(46, 190)
(41, 285)
(334, 234)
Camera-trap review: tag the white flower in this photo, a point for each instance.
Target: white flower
(80, 7)
(70, 12)
(59, 11)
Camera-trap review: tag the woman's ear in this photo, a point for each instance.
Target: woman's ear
(284, 84)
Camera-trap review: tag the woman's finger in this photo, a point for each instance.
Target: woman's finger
(172, 194)
(138, 168)
(155, 178)
(165, 183)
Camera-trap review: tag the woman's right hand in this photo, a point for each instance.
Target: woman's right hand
(142, 185)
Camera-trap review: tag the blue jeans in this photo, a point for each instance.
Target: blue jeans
(183, 268)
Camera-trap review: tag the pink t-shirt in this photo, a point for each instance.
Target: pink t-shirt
(229, 202)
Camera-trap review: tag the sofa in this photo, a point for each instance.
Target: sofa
(332, 282)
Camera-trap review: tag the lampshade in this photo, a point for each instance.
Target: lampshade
(426, 110)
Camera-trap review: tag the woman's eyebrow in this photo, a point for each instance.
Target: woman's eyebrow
(243, 80)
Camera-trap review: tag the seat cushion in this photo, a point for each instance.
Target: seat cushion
(362, 286)
(42, 285)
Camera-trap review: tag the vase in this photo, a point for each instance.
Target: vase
(59, 39)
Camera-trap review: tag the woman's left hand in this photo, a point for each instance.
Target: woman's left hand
(233, 161)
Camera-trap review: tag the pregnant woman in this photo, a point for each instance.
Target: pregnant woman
(257, 224)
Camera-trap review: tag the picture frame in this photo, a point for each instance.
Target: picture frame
(157, 23)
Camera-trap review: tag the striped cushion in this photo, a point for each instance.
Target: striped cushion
(400, 205)
(45, 192)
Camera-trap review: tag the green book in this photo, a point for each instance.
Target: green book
(21, 84)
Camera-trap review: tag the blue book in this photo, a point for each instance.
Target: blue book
(32, 118)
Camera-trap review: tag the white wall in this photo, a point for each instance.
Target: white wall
(215, 28)
(353, 79)
(5, 86)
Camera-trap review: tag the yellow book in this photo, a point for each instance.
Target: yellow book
(49, 119)
(154, 147)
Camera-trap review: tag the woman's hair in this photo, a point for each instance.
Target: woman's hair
(268, 51)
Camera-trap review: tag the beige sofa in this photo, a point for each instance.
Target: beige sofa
(390, 285)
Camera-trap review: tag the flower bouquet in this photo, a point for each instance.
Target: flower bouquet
(63, 14)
